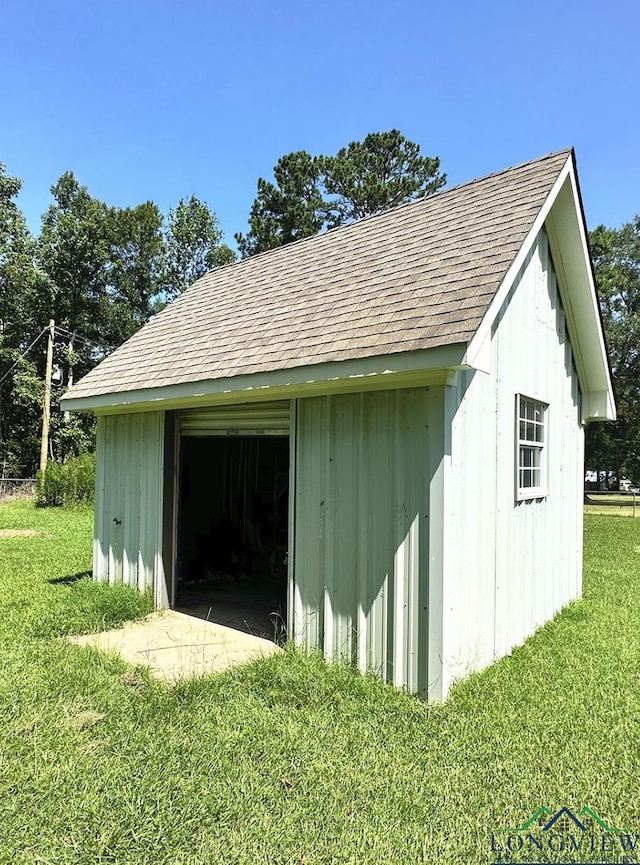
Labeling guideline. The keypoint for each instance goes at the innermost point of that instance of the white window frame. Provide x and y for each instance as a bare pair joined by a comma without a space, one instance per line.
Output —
532,442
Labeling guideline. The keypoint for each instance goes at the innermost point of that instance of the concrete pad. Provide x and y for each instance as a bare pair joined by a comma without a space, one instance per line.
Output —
175,646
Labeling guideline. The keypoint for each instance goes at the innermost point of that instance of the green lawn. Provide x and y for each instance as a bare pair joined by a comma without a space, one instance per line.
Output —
293,761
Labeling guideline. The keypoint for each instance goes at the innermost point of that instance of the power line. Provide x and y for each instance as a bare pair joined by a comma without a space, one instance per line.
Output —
75,336
24,353
63,332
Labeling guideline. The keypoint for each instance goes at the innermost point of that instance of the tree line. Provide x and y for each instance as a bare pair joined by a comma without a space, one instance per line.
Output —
613,449
101,272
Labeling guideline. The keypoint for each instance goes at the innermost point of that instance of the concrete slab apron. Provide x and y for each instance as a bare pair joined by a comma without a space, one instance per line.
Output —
176,646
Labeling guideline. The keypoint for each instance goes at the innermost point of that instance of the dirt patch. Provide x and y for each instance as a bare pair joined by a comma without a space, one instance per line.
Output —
18,533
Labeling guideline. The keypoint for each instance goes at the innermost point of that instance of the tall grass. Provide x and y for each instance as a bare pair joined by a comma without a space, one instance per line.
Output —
68,483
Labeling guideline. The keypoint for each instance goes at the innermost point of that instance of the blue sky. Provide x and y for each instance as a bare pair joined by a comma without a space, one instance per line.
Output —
159,100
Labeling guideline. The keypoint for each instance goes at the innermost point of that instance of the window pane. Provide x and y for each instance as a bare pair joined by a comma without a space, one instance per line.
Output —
531,421
531,416
529,468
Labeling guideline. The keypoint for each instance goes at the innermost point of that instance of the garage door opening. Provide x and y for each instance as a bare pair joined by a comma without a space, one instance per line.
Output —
232,532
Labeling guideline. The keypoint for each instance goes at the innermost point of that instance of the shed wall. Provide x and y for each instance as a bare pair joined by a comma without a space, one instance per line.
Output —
512,565
129,501
367,465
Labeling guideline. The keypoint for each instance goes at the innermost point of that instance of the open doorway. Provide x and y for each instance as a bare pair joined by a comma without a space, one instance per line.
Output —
232,532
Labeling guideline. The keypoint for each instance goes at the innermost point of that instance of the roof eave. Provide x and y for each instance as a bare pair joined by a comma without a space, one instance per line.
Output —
424,367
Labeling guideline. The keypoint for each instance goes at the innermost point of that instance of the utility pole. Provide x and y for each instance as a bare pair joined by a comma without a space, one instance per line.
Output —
46,412
70,375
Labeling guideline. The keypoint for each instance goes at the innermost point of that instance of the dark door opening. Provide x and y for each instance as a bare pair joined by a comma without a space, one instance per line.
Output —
232,530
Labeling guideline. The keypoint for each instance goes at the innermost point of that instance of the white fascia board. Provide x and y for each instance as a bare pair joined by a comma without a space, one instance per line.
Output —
598,405
570,249
404,369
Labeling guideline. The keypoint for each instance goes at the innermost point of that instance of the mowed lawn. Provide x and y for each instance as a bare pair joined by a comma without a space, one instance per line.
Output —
290,760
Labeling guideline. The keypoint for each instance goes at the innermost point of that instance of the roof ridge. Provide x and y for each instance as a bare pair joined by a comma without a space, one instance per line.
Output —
331,231
519,167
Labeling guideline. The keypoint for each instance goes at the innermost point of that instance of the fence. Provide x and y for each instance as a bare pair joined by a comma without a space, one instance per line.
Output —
625,502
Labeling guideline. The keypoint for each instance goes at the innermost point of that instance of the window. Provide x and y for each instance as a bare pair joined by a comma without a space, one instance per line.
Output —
531,420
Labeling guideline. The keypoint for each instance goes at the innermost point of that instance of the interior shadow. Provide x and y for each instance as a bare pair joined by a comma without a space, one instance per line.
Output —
232,532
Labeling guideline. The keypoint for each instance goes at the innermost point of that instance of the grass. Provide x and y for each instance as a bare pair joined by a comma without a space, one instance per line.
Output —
620,510
290,760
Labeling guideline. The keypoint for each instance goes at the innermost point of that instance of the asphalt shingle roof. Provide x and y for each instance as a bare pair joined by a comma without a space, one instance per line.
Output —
418,276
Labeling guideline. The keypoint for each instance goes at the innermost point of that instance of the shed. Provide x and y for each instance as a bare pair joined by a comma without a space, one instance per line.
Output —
374,435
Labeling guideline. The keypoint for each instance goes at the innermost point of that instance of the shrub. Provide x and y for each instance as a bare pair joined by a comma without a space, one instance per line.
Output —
68,483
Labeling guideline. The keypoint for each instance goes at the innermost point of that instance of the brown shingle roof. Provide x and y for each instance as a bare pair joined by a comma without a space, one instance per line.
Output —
418,276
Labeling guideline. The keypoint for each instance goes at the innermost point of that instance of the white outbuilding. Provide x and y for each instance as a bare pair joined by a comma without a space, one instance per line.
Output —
374,435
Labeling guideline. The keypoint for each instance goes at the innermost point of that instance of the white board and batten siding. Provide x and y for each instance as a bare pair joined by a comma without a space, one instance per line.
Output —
129,500
365,463
511,565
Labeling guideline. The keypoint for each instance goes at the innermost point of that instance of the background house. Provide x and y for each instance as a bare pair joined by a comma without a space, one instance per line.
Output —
377,431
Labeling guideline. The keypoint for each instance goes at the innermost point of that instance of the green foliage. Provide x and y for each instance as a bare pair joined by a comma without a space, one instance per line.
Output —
290,759
73,435
74,252
100,272
193,245
616,256
136,259
20,281
22,419
311,193
382,171
68,483
291,208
